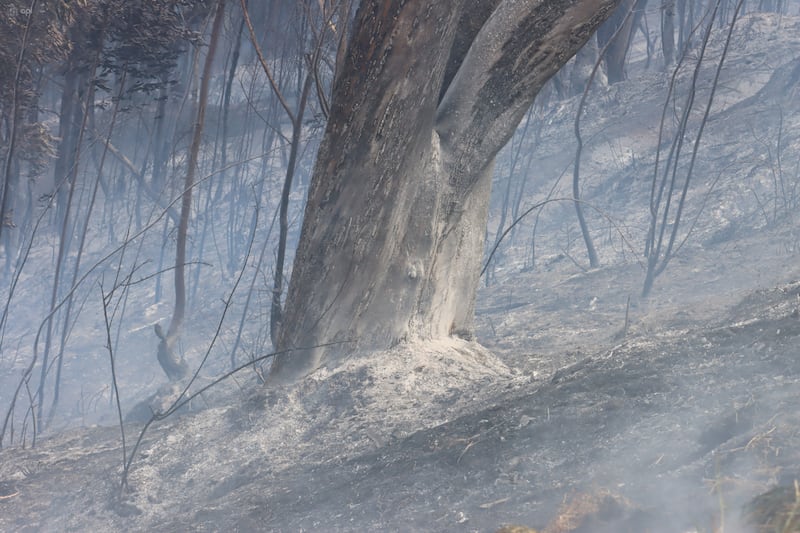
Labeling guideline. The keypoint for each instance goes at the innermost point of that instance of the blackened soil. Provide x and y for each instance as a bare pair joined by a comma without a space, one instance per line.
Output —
683,427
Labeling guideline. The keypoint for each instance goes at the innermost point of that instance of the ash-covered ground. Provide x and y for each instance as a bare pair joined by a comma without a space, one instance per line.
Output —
586,406
680,427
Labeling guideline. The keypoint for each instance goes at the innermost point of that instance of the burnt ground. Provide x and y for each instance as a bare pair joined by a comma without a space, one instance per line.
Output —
683,426
671,425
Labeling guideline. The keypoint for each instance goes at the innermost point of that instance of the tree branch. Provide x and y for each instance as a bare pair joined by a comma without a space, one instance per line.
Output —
263,62
521,45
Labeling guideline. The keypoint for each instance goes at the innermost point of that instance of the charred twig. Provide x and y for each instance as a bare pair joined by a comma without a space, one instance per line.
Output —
105,301
542,204
188,398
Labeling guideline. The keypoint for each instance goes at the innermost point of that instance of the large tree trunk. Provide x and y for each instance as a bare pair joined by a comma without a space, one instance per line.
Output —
392,238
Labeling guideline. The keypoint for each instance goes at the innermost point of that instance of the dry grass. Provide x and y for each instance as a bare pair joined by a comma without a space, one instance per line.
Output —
585,512
516,529
775,511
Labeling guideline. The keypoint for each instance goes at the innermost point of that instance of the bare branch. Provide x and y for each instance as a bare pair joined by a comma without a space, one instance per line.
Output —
263,62
521,45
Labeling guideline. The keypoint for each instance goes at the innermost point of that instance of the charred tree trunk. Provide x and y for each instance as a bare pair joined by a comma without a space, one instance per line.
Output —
668,32
161,146
226,105
11,165
175,367
615,36
67,128
682,27
277,286
65,205
392,239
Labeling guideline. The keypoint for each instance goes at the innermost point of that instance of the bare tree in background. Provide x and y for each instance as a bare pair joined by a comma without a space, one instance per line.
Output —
173,366
615,36
668,32
662,241
295,117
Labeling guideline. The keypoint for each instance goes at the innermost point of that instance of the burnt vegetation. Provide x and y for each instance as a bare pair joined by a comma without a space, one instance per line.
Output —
462,265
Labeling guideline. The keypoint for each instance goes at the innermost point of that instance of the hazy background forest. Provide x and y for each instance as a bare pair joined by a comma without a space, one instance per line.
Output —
682,115
99,107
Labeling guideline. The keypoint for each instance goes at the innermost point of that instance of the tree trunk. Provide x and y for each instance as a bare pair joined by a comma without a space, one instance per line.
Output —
584,62
66,194
277,285
67,127
174,367
11,166
226,105
161,146
296,119
393,233
615,35
668,32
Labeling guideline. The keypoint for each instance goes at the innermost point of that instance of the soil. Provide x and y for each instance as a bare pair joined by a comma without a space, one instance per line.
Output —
585,407
686,425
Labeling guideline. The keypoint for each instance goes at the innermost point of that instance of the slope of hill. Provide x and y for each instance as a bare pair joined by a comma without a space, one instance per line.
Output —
591,408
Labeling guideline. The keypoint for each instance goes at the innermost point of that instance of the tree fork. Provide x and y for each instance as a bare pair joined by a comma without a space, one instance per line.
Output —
392,239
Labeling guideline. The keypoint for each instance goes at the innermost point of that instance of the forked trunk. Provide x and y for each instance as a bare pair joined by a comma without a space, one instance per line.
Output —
392,239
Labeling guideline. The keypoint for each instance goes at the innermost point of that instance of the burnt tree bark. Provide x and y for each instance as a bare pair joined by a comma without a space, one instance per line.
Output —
392,239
